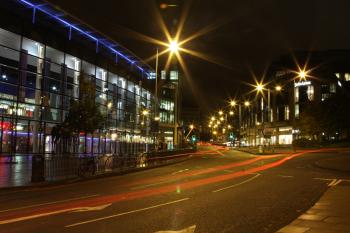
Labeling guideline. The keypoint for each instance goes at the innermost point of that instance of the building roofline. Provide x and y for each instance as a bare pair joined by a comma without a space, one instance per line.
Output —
88,31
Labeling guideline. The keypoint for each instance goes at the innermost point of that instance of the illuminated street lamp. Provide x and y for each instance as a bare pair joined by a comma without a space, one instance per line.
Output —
221,112
145,112
173,46
233,103
231,113
302,74
278,88
246,103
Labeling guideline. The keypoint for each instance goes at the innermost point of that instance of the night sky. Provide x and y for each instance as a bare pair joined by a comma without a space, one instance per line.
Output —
246,36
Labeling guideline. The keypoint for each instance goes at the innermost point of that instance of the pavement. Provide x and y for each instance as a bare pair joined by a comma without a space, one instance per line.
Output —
216,190
15,171
331,214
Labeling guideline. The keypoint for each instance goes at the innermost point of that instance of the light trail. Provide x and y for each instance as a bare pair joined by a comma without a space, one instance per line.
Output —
128,196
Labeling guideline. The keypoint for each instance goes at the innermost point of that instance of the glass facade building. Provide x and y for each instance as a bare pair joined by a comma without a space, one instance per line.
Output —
37,82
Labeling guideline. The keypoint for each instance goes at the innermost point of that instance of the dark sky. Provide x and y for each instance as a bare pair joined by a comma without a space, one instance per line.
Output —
249,34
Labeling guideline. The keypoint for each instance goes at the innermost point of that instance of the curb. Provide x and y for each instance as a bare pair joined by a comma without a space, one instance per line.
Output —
317,164
100,176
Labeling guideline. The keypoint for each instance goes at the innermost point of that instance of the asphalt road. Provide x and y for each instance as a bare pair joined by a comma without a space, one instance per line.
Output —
216,190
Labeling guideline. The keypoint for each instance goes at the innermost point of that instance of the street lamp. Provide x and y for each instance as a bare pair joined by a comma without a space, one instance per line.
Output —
233,103
173,46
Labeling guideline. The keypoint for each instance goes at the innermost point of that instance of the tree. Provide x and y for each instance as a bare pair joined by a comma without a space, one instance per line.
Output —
84,115
310,123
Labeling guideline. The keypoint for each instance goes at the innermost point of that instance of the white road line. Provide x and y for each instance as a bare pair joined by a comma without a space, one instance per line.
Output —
337,182
49,203
180,171
36,216
190,229
325,179
150,185
283,176
126,213
332,183
235,185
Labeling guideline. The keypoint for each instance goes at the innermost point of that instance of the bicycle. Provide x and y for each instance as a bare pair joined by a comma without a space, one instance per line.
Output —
87,167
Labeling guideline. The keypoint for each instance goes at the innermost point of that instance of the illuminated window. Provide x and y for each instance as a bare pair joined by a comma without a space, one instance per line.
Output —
347,77
174,75
296,111
10,39
332,88
286,113
310,92
163,74
296,94
338,75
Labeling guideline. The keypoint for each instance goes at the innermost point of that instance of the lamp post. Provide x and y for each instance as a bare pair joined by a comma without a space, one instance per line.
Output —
234,103
173,47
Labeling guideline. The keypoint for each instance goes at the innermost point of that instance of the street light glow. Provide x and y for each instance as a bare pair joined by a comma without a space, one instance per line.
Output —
221,112
173,46
278,88
109,105
145,112
233,103
246,103
231,113
191,126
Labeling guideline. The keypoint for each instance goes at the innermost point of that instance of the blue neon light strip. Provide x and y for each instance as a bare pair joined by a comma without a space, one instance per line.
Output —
71,26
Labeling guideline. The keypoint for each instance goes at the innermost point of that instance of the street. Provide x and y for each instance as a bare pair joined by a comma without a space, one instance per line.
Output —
215,190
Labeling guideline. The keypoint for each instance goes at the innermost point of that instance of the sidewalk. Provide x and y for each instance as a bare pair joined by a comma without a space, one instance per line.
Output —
17,173
267,150
331,214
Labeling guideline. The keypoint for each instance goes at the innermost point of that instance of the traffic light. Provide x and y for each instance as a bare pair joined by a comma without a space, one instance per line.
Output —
193,138
232,135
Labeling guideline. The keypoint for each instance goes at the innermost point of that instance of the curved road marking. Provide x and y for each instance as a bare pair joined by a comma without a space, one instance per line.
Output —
235,185
126,213
190,229
48,203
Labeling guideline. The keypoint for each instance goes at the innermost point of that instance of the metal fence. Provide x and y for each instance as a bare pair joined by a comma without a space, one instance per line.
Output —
63,167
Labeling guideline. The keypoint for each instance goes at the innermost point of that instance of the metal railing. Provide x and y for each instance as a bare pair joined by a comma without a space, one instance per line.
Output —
63,167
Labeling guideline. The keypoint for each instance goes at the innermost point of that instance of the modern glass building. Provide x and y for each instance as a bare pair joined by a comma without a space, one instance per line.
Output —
43,53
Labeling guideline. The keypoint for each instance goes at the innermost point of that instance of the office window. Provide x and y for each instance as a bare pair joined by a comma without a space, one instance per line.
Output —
163,74
286,113
296,111
152,75
332,88
72,62
9,39
173,75
88,68
33,48
296,94
54,55
310,92
347,77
